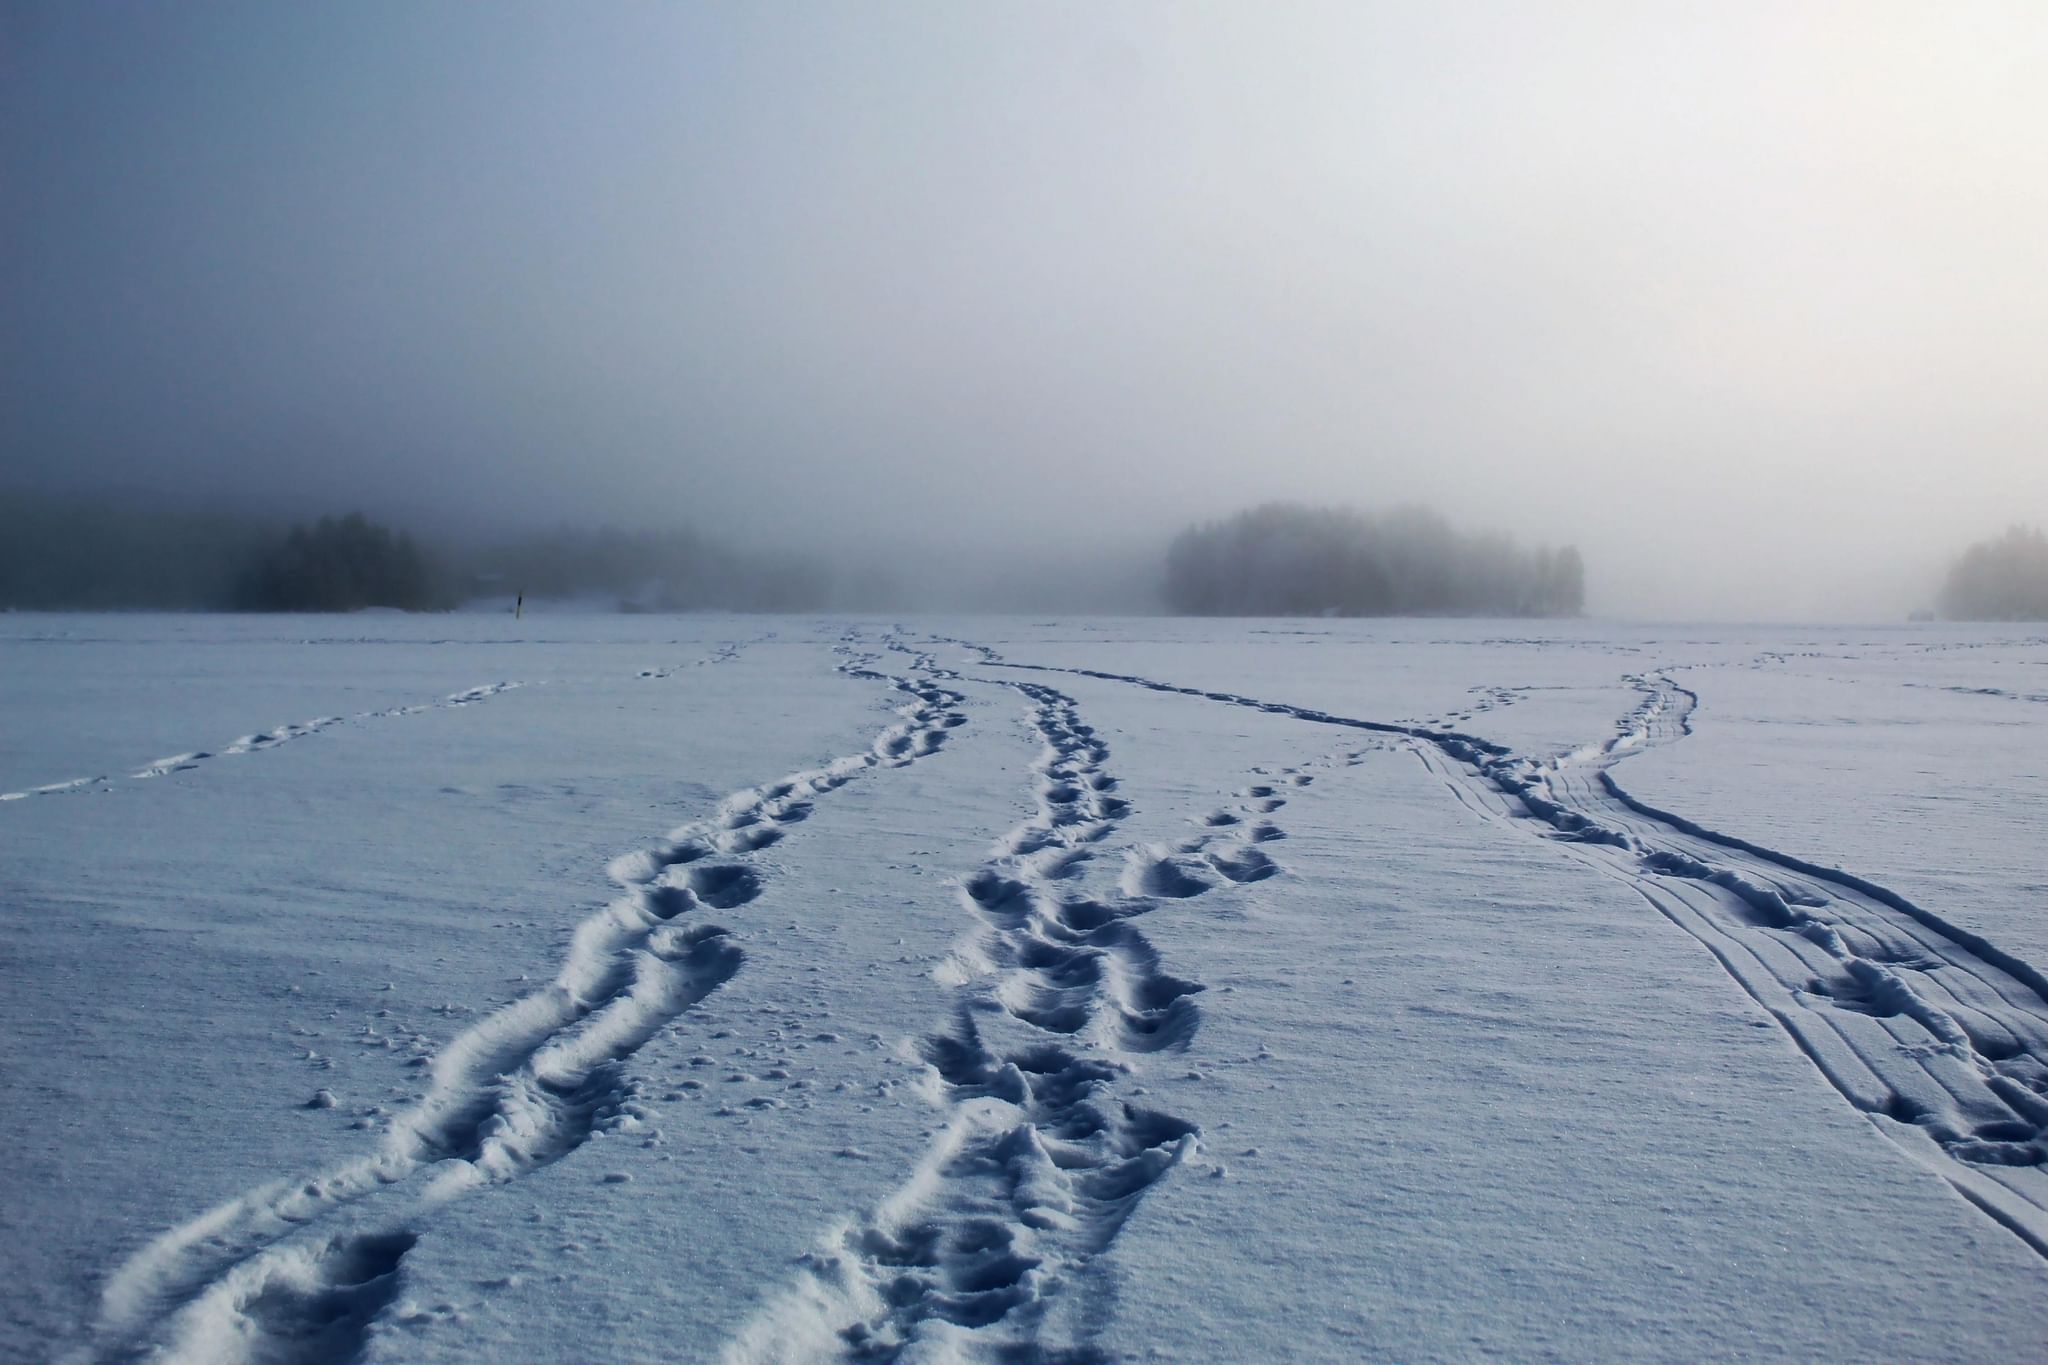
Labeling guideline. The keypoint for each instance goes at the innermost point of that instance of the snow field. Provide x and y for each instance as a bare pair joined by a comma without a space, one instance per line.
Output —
1127,989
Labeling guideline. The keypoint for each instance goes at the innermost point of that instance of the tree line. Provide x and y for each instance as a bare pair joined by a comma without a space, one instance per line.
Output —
2002,579
74,553
97,554
1286,559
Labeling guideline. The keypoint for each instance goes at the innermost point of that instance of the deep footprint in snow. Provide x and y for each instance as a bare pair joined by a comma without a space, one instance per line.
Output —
723,886
748,838
637,868
1242,864
1154,875
320,1312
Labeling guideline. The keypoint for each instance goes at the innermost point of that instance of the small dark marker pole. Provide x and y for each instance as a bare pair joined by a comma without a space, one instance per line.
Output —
519,607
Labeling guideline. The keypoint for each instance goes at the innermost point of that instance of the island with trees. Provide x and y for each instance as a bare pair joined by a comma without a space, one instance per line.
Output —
1287,559
2003,579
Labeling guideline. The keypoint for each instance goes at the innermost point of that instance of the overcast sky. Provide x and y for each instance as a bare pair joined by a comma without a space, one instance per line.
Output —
1750,301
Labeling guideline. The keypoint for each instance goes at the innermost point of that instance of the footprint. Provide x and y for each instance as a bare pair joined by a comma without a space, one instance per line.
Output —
323,1310
724,886
1157,876
1243,864
1002,896
750,837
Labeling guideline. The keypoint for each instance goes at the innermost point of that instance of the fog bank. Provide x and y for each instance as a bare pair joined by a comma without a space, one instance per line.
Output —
1744,300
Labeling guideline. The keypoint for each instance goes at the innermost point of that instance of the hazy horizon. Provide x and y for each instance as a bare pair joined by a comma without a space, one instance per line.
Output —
1744,300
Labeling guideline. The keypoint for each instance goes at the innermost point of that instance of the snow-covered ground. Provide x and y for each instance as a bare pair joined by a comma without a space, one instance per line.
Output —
598,987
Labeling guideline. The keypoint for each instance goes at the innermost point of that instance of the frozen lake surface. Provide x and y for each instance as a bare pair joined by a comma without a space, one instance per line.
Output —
754,989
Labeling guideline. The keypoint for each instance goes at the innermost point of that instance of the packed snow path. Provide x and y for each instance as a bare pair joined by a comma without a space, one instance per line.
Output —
1936,1035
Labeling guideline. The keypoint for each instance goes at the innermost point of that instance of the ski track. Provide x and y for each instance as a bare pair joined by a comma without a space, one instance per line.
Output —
725,653
1043,1155
299,1270
1998,692
284,734
1937,1036
266,739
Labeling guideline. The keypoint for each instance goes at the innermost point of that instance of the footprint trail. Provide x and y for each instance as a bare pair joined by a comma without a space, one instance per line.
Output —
1936,1035
1044,1154
262,740
266,739
299,1269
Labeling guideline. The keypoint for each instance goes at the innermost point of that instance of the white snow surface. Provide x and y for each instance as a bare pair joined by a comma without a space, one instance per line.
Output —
602,987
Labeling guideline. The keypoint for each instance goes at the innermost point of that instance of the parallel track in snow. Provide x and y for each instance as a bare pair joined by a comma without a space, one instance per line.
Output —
298,1270
260,741
1936,1035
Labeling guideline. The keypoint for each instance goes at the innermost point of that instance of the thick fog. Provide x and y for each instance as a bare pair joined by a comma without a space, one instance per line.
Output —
1749,302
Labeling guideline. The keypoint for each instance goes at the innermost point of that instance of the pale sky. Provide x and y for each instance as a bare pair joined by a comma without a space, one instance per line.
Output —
1749,301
